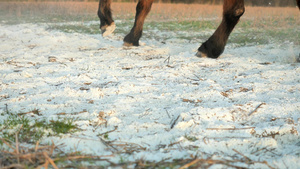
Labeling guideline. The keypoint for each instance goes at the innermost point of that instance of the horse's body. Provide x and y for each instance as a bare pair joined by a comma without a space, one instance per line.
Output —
213,47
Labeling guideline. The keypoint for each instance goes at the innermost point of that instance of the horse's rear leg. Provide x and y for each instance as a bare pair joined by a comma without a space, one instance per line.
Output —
142,9
107,24
214,46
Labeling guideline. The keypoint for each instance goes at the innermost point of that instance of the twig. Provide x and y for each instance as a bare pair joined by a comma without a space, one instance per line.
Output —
249,161
36,146
116,127
50,160
190,164
172,144
255,110
228,137
6,108
13,166
108,145
246,128
41,147
46,164
168,59
206,163
30,155
83,157
5,142
127,144
198,78
8,152
264,148
174,122
52,147
17,144
266,163
168,114
245,157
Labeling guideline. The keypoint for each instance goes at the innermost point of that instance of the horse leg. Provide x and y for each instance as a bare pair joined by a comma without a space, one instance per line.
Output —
214,46
298,3
142,9
107,24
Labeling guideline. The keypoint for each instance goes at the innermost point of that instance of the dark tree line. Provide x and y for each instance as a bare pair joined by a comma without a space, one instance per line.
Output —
277,3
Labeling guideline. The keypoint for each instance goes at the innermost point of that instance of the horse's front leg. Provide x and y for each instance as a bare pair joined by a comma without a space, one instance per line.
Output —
214,46
142,9
107,24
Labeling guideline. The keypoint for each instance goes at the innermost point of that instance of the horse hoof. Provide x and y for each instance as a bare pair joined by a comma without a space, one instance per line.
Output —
201,54
126,44
107,30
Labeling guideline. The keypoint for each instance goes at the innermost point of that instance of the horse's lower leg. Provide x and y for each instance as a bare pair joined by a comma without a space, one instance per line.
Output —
214,46
142,9
107,25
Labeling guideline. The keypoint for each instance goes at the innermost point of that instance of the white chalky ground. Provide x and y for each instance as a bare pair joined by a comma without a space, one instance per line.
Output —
163,102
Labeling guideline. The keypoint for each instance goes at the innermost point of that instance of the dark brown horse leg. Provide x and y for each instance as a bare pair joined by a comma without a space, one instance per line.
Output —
142,9
298,3
214,46
107,24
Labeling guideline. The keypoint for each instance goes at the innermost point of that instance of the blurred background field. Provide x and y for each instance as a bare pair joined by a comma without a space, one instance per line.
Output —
195,22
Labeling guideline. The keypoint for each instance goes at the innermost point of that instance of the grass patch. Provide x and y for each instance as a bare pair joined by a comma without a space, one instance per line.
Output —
22,125
251,36
191,138
183,25
245,33
62,126
30,130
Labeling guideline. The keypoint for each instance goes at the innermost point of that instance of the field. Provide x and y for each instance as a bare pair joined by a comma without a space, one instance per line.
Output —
70,98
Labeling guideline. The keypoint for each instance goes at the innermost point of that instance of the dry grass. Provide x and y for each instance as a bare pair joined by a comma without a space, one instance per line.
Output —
34,8
19,12
41,156
37,156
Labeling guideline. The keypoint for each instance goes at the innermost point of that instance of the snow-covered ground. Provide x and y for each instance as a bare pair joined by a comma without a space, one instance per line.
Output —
157,101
